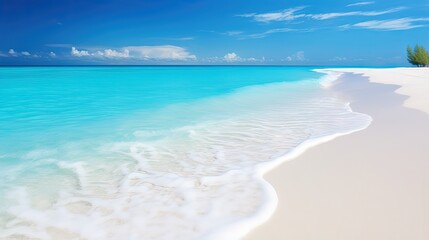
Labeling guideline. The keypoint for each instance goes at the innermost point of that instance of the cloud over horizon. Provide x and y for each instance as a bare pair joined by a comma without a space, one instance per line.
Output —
296,57
185,33
231,57
13,53
79,53
163,52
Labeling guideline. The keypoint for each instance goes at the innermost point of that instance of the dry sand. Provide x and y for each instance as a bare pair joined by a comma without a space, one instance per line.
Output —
369,185
413,82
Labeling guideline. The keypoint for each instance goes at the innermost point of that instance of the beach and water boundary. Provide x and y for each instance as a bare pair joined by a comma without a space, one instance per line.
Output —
367,185
263,214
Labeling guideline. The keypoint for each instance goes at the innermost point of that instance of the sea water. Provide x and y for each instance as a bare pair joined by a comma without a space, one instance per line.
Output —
153,152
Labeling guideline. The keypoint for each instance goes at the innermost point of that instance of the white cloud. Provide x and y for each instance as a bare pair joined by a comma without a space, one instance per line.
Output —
297,57
284,15
360,4
242,35
109,53
231,57
79,53
290,14
275,30
232,33
12,52
185,38
389,25
325,16
52,54
165,52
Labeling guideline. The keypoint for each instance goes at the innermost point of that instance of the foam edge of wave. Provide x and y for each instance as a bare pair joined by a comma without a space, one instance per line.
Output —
242,228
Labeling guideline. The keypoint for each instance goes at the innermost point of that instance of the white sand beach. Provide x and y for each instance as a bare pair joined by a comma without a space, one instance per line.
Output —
371,184
413,82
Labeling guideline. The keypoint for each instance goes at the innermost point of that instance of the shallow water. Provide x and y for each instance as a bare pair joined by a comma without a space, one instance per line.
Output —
151,152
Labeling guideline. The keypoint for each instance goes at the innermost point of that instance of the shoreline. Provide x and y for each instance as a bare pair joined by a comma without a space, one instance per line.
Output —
408,80
241,228
294,202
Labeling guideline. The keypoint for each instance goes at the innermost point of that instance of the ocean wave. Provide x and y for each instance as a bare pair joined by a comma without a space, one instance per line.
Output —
187,171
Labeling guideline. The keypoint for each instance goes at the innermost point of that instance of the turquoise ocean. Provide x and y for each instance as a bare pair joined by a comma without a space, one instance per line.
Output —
163,152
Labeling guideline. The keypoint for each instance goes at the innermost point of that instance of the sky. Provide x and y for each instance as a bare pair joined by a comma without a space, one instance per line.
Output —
218,32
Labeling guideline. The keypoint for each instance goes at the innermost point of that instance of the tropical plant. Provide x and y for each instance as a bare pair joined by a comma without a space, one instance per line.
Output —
418,57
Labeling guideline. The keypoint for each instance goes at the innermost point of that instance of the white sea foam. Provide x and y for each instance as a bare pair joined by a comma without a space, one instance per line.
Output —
328,80
202,180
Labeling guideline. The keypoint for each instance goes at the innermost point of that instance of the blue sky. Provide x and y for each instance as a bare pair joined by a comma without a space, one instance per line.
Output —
305,32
